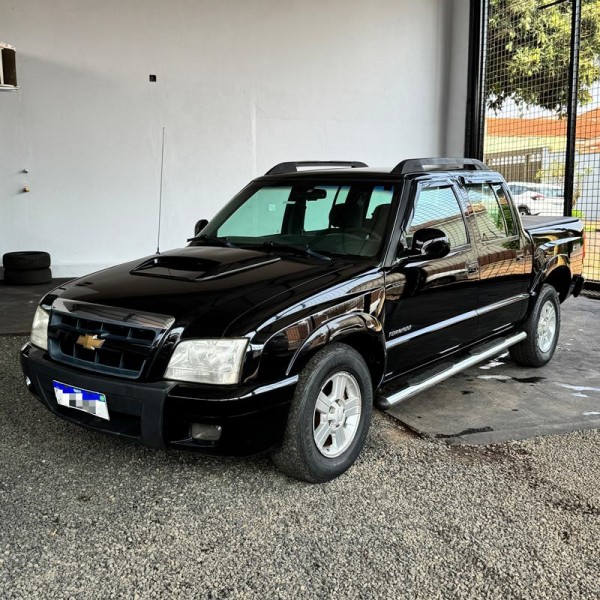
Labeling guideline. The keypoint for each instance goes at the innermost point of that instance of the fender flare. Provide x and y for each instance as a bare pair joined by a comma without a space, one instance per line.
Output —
338,329
552,264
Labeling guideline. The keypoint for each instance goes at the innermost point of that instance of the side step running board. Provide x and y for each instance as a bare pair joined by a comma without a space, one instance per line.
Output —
486,352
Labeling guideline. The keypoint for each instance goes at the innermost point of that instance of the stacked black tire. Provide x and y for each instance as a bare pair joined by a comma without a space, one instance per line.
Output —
26,268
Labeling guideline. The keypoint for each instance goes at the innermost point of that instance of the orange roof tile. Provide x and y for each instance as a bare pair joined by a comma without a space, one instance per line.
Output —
588,126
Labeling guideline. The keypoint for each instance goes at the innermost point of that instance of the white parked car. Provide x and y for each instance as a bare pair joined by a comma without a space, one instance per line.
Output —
538,198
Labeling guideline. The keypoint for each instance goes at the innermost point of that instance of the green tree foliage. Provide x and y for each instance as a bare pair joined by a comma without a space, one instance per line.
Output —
529,53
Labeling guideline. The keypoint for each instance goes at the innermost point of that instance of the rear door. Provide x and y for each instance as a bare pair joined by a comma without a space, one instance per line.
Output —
430,307
502,253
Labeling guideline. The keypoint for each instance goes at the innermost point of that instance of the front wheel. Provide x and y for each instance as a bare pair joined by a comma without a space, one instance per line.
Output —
542,328
329,417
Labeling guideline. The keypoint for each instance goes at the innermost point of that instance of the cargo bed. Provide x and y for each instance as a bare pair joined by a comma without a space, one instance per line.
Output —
537,222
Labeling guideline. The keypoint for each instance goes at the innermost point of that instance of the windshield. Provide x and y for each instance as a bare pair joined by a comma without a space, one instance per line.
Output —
338,219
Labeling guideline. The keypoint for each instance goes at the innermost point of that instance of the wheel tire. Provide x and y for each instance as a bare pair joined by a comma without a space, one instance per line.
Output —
299,456
542,328
27,277
26,261
524,211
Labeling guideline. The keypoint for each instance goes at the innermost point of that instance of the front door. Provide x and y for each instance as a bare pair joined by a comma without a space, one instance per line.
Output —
431,302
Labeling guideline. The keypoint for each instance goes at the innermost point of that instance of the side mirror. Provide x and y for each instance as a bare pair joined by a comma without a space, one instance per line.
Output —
200,225
430,242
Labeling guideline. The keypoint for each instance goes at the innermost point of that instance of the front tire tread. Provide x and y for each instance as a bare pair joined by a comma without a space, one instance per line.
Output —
298,456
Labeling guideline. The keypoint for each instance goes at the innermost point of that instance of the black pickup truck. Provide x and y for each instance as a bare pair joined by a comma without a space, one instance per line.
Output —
319,290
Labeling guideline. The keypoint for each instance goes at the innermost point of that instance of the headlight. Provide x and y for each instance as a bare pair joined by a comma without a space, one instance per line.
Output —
207,361
39,329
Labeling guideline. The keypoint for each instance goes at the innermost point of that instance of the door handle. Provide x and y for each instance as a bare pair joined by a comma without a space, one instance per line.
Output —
472,267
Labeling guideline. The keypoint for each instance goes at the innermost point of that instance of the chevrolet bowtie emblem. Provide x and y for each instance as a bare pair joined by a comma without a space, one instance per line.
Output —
90,342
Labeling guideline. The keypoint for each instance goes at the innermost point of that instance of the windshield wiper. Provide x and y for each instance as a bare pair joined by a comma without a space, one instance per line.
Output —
303,250
212,239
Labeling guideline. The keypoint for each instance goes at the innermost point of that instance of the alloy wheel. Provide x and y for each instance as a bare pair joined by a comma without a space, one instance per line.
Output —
546,329
337,414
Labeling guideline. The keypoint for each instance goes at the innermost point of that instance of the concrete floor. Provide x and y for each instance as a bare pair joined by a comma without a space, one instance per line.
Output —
499,401
18,303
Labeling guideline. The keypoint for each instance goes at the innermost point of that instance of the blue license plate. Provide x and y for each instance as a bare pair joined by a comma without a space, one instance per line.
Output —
93,403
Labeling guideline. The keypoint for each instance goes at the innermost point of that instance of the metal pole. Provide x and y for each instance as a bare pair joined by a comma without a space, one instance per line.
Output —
572,107
475,120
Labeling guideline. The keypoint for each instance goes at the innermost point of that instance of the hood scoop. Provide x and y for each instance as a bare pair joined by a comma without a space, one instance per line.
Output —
192,268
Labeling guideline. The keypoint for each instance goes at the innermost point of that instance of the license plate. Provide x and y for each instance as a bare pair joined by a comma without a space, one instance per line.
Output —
93,403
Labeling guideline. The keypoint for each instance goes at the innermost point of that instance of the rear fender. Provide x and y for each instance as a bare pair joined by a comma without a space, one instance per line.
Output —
555,270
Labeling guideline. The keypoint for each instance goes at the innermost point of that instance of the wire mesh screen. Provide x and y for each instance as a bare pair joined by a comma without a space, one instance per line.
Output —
587,143
526,86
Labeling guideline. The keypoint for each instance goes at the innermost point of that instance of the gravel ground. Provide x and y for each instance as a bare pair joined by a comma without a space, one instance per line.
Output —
86,516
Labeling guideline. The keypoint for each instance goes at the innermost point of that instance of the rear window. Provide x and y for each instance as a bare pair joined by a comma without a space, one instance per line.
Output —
505,207
493,214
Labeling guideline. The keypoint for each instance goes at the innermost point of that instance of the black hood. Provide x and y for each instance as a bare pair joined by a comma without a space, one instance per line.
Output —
207,287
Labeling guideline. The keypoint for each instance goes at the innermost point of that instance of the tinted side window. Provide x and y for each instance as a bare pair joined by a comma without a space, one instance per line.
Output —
488,214
509,219
439,208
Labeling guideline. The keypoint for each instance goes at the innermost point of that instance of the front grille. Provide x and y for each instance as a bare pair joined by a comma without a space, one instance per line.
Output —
127,338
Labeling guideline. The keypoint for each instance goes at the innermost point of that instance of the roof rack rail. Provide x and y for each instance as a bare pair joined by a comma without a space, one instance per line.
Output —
292,167
421,165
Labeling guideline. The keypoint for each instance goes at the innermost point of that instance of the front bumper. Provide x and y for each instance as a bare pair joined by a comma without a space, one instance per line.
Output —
159,414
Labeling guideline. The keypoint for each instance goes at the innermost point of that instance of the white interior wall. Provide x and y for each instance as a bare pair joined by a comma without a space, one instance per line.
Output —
241,85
